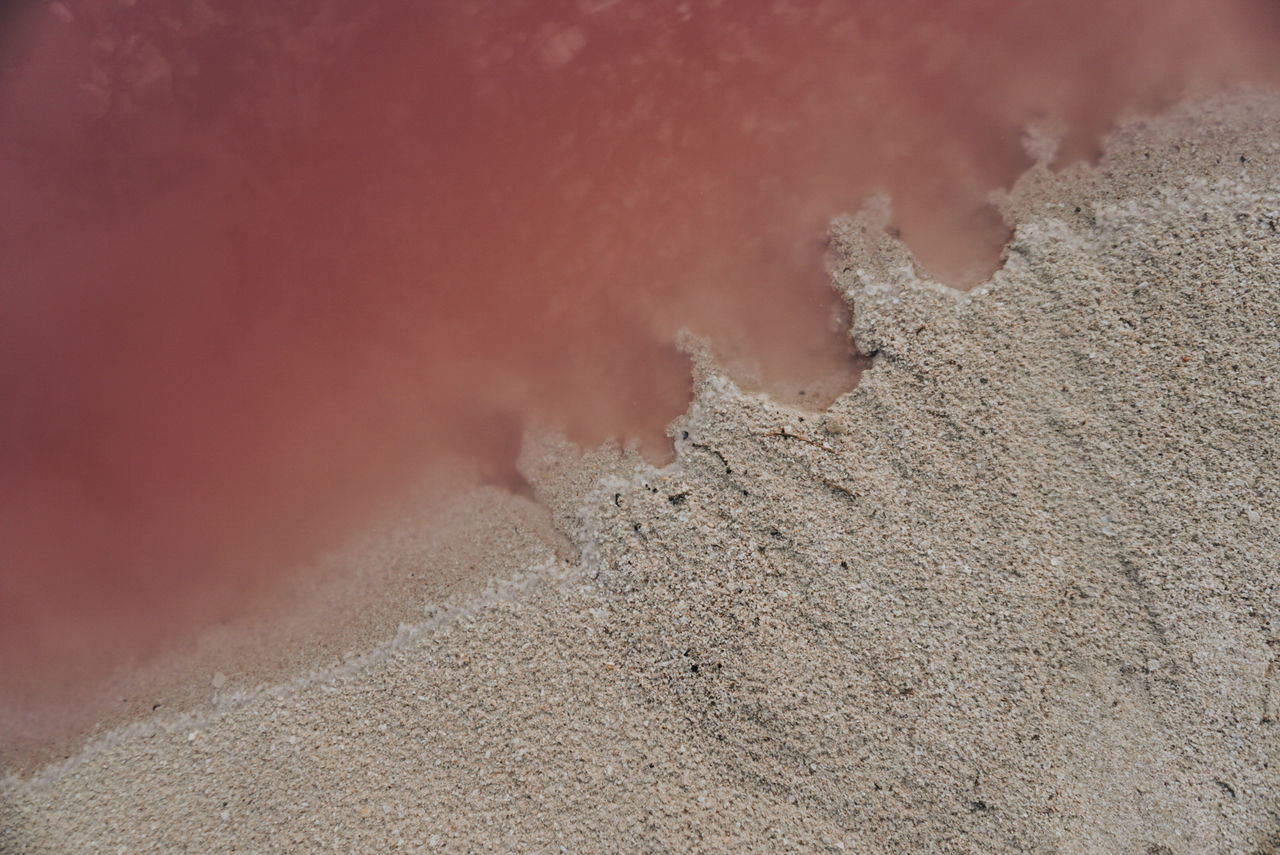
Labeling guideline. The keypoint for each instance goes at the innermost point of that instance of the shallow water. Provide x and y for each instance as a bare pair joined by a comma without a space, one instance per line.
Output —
265,266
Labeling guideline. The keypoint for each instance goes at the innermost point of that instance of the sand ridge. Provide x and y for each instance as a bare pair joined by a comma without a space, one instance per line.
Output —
1017,592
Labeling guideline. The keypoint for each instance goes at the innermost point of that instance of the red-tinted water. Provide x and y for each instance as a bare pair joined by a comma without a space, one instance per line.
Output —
263,264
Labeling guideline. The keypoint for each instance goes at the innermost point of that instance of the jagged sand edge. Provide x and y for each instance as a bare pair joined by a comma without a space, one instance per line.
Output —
1016,592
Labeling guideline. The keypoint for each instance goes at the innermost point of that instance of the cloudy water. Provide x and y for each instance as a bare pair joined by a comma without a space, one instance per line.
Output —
264,265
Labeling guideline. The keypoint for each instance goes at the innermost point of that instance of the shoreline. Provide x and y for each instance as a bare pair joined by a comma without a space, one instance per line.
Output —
989,597
347,603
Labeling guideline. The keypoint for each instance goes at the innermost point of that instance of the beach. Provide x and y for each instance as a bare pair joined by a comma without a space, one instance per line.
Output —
1018,591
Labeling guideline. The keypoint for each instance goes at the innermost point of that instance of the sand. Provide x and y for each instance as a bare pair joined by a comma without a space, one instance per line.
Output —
1017,592
445,540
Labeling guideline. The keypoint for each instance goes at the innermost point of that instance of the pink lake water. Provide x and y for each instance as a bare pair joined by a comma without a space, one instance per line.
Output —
266,265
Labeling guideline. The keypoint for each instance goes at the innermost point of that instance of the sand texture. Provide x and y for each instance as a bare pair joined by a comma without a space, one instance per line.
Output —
1017,592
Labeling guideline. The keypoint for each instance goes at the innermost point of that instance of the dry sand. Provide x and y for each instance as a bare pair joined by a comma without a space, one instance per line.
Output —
1017,592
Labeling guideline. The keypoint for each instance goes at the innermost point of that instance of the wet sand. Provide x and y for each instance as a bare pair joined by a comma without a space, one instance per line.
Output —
1016,592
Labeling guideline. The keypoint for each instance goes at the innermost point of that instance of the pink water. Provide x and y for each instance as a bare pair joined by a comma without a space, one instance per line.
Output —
263,265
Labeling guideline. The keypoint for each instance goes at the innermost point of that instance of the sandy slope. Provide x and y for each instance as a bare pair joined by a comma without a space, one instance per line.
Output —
1015,593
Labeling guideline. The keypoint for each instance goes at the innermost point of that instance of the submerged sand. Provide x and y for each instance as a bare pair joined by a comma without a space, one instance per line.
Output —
1017,592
